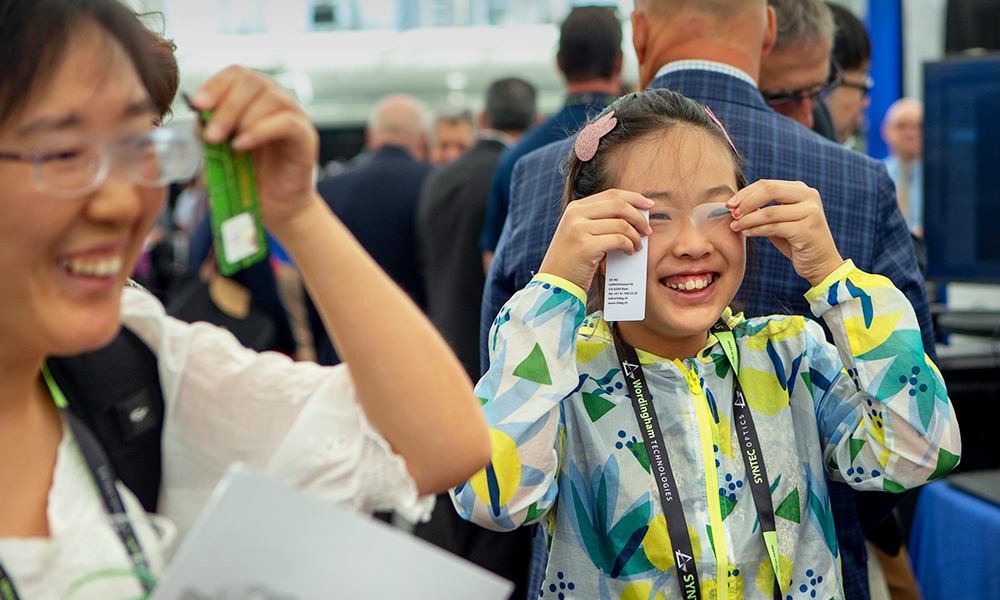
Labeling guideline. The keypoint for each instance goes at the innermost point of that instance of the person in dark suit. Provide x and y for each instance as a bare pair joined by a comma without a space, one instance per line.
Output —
378,200
590,57
449,220
711,52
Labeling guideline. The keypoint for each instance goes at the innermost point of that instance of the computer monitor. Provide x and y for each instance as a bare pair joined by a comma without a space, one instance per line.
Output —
962,169
972,24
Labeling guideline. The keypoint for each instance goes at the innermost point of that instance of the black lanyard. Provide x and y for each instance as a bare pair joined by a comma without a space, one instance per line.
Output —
753,460
105,479
753,454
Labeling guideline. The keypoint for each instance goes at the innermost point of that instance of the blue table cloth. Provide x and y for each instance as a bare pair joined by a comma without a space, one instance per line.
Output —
955,545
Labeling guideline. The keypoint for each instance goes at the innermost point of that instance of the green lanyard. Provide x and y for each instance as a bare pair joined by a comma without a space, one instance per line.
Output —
753,455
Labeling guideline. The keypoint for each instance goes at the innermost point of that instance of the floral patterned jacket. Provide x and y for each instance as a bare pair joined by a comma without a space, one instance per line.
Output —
872,411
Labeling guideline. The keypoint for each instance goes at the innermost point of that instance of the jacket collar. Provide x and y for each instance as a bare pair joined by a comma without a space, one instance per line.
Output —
711,87
595,328
392,151
485,143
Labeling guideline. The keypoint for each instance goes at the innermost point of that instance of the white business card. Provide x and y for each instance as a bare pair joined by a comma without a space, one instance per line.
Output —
625,284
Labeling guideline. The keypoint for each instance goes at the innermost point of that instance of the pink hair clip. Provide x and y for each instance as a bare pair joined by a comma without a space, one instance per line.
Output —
724,132
588,139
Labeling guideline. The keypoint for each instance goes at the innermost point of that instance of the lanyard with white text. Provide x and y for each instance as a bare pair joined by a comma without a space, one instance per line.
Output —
753,454
752,459
673,512
105,479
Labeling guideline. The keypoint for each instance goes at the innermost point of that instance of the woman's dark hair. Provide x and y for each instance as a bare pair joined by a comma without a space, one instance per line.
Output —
851,47
640,115
35,33
163,87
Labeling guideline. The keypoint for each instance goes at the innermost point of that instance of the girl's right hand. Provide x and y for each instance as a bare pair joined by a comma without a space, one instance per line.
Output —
590,228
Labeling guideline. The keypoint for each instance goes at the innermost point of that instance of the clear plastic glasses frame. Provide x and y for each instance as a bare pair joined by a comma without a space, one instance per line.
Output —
711,220
72,165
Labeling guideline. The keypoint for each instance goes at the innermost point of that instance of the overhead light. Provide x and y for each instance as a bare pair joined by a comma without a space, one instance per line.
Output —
456,81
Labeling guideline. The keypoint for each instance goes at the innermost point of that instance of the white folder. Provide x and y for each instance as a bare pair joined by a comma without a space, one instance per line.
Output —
258,539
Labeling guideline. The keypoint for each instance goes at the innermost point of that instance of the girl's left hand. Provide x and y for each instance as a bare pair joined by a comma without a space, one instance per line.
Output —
796,225
265,119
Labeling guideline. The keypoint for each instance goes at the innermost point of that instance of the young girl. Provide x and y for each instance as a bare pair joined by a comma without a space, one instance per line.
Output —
656,472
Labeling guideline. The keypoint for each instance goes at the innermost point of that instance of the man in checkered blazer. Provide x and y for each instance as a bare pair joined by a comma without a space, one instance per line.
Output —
711,52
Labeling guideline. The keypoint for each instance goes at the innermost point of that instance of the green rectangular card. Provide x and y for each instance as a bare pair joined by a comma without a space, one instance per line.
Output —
240,237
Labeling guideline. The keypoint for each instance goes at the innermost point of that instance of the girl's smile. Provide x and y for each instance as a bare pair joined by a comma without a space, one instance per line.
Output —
696,260
690,286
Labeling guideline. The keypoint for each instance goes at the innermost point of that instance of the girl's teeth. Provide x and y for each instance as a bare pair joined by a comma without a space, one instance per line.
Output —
693,284
92,268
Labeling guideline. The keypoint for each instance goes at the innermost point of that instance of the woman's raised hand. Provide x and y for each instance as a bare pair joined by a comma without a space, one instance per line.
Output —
592,227
796,225
265,119
437,427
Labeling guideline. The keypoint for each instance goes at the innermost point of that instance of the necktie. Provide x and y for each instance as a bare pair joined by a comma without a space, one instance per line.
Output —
902,192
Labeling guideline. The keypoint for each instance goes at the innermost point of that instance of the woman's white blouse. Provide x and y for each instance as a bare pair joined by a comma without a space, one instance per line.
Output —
298,423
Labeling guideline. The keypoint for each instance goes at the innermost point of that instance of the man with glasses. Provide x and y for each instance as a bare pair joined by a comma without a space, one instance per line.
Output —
798,74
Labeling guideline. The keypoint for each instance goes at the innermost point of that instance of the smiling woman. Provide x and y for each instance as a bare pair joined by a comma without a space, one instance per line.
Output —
83,169
75,209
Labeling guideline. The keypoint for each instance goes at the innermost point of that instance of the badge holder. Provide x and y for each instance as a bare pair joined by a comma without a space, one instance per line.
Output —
239,234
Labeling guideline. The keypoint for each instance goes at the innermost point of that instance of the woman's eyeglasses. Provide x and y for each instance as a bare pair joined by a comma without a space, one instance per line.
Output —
814,92
73,165
865,87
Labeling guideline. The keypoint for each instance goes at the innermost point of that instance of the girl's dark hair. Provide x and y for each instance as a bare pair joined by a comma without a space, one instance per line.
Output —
639,115
35,33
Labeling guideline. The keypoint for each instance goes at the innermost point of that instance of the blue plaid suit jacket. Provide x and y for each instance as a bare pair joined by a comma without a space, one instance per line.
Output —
860,203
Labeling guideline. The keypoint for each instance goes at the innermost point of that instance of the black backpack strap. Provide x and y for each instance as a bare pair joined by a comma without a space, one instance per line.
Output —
116,392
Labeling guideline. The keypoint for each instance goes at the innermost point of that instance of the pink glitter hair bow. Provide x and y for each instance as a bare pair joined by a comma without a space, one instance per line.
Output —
716,120
589,138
